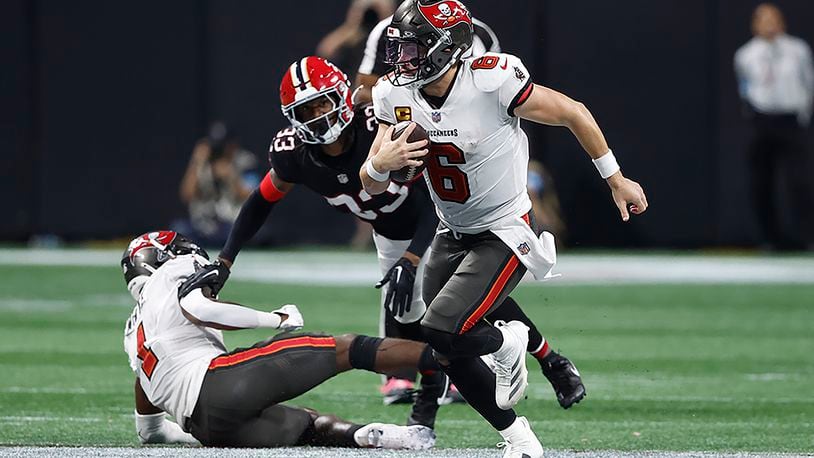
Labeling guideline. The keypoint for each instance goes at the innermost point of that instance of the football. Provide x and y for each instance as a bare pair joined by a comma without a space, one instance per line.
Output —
409,173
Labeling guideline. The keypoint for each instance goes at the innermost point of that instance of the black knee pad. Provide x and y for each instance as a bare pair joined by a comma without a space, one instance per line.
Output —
440,341
362,353
442,360
480,340
427,362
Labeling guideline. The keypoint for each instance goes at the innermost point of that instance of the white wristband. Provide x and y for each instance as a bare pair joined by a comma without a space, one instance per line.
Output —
606,164
375,174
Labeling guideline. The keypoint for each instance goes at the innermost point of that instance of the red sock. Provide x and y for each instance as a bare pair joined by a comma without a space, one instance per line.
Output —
542,351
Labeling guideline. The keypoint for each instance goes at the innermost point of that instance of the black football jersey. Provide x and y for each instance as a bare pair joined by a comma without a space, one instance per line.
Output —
394,213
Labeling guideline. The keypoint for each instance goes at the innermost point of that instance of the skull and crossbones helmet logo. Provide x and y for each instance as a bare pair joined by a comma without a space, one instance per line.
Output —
447,14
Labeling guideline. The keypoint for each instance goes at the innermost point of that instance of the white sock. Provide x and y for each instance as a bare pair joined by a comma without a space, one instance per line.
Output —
515,430
503,347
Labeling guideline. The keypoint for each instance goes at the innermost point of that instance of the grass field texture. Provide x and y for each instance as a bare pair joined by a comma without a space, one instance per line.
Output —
667,367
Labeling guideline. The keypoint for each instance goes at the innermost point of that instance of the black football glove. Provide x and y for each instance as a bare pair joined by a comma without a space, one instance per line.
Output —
211,276
399,280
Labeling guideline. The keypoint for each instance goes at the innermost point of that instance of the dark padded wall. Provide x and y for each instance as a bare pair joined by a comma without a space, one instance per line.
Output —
117,104
646,85
105,101
17,158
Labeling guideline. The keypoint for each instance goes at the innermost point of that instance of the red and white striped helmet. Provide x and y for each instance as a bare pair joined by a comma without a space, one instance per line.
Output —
309,79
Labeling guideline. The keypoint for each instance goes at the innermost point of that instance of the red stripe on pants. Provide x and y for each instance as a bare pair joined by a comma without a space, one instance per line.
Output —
493,294
274,347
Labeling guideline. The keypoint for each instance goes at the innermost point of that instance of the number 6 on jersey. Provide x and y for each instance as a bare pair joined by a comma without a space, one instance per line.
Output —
449,182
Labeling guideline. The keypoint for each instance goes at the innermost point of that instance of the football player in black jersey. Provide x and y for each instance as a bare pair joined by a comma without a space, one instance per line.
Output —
323,149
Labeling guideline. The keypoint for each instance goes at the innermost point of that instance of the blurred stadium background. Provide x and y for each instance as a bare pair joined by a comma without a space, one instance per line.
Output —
696,339
106,101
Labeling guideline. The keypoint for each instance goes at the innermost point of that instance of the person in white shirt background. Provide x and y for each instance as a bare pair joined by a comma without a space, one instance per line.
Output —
776,81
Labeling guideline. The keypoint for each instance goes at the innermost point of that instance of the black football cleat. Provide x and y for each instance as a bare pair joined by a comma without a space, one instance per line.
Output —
397,391
425,406
564,378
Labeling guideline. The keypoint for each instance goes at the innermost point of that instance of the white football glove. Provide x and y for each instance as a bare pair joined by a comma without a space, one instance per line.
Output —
155,429
294,320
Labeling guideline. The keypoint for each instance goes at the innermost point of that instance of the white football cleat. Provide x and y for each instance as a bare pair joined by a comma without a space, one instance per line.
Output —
395,437
510,364
520,441
489,361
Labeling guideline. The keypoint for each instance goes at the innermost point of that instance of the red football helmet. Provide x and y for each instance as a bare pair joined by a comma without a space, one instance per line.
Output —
316,98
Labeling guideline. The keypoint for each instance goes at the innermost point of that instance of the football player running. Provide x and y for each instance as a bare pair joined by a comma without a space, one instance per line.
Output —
233,399
477,169
329,139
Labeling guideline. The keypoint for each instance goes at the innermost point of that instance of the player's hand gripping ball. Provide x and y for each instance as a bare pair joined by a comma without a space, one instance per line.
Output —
409,173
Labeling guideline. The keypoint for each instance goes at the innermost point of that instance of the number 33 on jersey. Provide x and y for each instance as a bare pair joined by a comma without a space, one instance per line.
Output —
393,213
479,153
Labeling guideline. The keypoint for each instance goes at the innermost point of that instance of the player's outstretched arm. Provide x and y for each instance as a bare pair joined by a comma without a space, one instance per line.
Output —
387,155
253,214
151,425
547,106
228,316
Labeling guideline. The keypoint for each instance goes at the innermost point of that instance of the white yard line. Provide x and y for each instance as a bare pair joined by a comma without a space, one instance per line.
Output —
353,268
348,453
47,390
31,419
23,305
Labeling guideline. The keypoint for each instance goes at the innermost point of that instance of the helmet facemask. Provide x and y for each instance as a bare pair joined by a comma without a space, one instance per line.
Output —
415,65
324,128
148,252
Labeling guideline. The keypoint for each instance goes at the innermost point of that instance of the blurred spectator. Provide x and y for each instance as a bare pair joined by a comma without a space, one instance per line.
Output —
776,81
545,202
219,177
345,45
372,67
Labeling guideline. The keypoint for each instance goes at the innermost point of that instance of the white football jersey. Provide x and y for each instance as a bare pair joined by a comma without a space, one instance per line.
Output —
479,155
169,354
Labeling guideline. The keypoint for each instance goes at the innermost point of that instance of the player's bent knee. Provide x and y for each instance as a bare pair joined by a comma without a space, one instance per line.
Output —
440,341
362,352
455,346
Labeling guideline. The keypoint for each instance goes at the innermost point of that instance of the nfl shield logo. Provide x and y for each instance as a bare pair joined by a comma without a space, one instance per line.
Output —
523,248
436,116
342,178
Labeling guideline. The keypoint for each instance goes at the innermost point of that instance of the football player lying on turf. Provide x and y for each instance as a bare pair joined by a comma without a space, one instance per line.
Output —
233,399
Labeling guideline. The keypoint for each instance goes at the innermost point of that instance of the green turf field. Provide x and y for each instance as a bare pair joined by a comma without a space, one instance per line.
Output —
686,367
